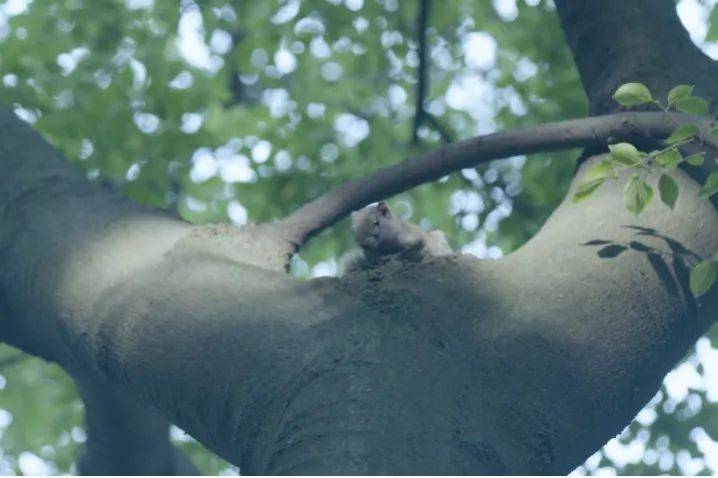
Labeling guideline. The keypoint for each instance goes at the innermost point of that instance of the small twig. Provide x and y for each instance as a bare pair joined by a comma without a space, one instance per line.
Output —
235,84
421,116
422,84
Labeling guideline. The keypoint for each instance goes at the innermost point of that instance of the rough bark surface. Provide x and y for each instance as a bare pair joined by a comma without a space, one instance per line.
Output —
522,365
615,42
125,435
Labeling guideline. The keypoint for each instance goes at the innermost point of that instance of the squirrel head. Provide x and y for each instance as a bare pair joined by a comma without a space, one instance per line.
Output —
371,224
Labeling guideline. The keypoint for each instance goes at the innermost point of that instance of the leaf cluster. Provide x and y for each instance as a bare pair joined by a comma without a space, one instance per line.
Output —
637,192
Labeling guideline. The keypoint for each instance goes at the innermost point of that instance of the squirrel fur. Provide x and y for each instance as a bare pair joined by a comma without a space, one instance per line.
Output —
381,235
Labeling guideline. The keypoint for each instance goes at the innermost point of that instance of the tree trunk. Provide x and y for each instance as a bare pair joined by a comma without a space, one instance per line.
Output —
522,365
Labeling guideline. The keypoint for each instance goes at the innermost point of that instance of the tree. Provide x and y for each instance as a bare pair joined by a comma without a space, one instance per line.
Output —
523,365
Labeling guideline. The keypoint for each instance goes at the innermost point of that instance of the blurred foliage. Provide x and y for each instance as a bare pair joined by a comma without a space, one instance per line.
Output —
240,111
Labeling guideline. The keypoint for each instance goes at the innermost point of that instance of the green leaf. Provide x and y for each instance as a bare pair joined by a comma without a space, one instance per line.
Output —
632,94
711,186
682,133
625,154
679,92
693,105
695,159
703,276
604,169
637,194
712,34
668,190
586,188
669,159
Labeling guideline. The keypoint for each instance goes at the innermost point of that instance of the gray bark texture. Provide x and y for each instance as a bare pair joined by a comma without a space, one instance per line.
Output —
524,365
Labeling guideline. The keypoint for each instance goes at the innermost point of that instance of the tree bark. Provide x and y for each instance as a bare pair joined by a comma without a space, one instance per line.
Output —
615,42
125,436
524,365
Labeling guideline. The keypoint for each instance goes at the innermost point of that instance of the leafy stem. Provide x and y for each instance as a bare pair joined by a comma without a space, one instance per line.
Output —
637,193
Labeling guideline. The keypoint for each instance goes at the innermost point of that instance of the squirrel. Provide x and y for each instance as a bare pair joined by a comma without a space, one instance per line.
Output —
382,235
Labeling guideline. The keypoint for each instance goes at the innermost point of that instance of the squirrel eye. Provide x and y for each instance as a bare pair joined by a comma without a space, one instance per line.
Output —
376,222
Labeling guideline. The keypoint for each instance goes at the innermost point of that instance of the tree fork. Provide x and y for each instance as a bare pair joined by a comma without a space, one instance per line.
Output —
240,356
257,366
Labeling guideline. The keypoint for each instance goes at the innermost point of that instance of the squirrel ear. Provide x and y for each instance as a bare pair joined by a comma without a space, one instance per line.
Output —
383,209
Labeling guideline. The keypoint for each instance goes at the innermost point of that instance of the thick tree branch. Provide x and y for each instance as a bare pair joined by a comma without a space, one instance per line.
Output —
315,216
395,371
125,436
616,41
398,370
37,175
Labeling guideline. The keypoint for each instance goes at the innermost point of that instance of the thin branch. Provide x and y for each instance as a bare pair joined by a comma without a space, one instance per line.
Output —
236,87
595,131
422,84
421,116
